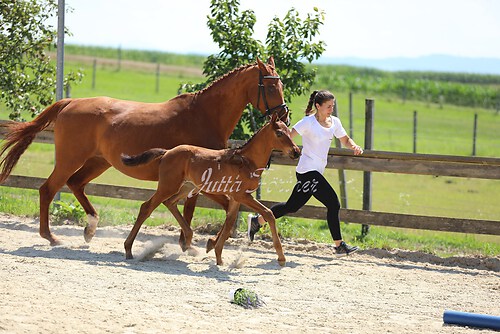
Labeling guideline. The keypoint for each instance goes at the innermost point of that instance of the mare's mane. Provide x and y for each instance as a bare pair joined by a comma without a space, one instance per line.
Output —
216,81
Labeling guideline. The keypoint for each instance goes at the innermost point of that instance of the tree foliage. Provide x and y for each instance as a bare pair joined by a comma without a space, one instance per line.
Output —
27,76
291,41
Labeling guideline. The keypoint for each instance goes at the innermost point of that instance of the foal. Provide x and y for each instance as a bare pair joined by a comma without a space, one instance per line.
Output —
232,172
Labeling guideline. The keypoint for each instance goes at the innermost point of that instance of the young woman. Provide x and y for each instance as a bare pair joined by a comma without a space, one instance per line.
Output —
317,129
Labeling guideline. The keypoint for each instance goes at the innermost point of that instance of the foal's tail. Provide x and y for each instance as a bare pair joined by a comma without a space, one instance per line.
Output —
143,158
21,134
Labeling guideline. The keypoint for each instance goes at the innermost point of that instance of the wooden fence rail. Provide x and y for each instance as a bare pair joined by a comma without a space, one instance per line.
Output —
376,161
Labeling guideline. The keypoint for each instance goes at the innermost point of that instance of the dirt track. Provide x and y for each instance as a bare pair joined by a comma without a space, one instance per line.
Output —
91,288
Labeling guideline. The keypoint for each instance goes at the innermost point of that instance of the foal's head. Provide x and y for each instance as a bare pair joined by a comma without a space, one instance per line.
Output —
281,140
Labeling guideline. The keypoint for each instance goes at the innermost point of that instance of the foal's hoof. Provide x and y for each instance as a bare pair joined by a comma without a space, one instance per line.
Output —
51,238
192,251
88,234
210,244
129,257
55,242
282,263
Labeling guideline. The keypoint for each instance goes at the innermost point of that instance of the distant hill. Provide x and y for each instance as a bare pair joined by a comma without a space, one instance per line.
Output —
434,63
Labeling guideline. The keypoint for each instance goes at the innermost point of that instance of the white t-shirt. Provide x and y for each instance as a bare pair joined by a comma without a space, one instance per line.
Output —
316,141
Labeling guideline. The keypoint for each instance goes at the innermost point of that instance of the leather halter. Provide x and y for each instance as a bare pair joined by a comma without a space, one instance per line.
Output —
262,90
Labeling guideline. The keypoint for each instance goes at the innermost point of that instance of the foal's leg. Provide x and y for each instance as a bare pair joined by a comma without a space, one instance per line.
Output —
267,214
230,220
186,231
188,212
145,211
190,204
77,182
186,235
169,184
232,213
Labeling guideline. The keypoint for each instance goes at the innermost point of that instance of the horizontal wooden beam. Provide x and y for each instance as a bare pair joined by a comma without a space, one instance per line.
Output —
416,156
416,167
473,226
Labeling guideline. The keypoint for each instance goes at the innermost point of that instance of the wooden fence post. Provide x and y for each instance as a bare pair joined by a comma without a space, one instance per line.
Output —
367,176
157,77
350,116
94,66
342,183
119,58
414,131
474,135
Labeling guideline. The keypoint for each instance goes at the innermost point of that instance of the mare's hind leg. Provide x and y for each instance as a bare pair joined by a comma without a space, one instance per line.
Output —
47,191
77,182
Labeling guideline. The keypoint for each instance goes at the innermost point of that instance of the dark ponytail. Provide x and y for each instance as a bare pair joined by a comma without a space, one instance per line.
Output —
309,110
318,96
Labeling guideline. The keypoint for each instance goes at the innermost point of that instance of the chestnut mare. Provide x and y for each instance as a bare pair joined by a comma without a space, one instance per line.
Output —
91,133
231,172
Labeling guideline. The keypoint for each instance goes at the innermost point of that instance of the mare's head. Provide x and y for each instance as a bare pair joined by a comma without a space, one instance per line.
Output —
269,98
280,139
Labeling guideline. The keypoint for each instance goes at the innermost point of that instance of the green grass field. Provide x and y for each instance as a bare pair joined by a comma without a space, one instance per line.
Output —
446,130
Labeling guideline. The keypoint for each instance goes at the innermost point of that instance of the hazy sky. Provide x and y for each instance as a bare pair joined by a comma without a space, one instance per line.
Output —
353,28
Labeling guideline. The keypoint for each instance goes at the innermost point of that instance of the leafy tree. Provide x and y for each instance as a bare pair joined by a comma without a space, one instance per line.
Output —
27,76
290,41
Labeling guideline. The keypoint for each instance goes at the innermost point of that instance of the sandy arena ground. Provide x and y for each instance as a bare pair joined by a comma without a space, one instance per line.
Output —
91,288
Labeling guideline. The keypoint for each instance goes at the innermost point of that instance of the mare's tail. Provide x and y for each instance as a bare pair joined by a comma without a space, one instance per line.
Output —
21,134
143,158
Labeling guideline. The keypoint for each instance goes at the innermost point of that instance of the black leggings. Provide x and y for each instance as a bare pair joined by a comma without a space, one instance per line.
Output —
313,184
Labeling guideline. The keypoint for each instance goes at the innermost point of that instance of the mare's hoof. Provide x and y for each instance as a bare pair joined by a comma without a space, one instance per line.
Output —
88,234
282,262
129,257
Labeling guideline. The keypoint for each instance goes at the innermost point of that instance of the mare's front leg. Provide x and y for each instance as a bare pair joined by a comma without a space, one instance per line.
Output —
231,215
268,216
